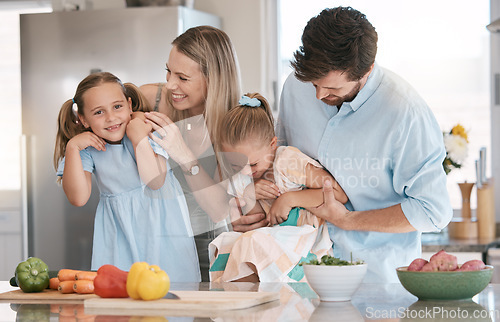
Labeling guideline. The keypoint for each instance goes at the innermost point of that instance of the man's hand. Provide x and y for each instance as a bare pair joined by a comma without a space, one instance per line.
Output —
331,209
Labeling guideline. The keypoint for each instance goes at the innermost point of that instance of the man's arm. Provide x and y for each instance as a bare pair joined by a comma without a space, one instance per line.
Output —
386,220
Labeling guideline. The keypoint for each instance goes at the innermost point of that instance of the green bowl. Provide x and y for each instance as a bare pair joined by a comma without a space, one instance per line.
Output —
445,285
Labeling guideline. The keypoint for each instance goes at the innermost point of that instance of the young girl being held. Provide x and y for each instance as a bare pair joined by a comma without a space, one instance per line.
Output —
142,214
269,254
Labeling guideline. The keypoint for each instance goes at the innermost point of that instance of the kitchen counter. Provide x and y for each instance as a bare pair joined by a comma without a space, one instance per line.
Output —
435,242
297,303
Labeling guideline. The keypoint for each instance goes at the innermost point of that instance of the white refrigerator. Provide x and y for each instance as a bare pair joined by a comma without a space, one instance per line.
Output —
57,51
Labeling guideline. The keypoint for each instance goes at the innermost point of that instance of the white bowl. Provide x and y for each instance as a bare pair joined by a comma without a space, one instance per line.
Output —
336,311
335,283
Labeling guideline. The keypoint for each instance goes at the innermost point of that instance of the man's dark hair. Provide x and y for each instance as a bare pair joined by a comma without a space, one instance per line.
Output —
338,39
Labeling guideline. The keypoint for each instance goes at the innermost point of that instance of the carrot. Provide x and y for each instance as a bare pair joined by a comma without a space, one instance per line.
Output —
66,287
67,274
55,308
67,318
79,310
67,310
85,275
83,287
89,318
54,283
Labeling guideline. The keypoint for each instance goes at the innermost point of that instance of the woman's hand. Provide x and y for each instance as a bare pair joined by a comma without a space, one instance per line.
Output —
84,140
265,189
171,138
279,210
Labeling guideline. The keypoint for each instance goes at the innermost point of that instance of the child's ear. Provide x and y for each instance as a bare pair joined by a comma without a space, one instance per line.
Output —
274,143
82,120
129,100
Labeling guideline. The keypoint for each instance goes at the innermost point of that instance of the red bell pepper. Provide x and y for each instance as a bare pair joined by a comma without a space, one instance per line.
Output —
110,282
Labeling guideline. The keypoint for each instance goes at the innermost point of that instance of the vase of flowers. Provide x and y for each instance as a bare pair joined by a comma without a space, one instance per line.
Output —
455,142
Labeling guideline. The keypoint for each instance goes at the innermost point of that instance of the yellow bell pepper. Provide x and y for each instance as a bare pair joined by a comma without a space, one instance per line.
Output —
147,282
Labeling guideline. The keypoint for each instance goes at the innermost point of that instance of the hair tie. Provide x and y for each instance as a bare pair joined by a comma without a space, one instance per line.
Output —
74,108
251,102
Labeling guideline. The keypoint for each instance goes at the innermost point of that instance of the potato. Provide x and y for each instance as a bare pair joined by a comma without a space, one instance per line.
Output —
444,261
417,264
472,265
430,267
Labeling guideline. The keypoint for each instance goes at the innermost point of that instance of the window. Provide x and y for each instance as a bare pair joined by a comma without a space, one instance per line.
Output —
10,89
440,47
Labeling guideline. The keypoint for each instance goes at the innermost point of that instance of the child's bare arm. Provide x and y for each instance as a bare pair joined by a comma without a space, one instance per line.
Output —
257,209
77,183
315,177
302,198
151,166
252,206
311,197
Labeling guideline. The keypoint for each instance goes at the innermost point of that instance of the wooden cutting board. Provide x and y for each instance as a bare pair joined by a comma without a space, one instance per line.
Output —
47,296
209,301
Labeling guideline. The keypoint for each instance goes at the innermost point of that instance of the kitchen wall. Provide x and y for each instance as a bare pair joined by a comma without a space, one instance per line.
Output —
251,25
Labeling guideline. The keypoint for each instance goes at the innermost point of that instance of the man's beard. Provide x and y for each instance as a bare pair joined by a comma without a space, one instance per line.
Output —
338,101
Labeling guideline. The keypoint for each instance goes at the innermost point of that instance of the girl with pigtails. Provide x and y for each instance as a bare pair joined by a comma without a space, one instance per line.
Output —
278,181
142,214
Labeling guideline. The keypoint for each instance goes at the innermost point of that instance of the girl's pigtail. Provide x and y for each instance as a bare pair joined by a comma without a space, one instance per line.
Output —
264,104
139,101
68,126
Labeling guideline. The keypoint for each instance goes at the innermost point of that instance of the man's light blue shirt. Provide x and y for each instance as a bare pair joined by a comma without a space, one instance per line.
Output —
384,148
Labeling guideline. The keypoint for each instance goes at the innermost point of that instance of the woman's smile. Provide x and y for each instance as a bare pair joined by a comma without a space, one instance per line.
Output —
178,97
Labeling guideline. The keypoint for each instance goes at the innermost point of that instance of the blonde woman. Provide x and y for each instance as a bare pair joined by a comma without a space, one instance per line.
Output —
203,83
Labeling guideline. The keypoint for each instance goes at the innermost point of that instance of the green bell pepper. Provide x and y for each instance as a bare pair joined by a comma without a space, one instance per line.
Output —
32,275
33,313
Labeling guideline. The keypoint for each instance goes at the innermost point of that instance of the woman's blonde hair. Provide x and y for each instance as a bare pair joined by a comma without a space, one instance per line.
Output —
212,49
68,123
